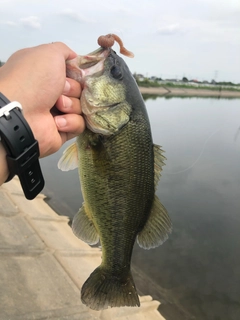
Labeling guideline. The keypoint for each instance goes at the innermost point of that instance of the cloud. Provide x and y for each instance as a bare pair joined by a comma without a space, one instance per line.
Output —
73,15
9,23
31,21
169,29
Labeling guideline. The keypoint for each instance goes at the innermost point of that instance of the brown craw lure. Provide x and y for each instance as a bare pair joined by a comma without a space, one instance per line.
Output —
109,40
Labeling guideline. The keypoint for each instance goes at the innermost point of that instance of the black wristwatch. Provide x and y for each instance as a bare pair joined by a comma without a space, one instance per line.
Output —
22,148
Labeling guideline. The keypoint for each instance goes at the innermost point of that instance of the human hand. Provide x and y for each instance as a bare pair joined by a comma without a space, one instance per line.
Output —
36,77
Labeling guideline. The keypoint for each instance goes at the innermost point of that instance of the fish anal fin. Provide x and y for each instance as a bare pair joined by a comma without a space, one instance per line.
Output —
103,290
158,163
157,227
69,159
84,228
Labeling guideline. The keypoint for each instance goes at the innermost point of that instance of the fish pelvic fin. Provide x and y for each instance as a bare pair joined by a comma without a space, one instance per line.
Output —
84,228
157,227
158,163
102,290
69,159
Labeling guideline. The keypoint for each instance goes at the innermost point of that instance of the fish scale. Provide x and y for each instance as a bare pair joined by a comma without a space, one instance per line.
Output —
119,204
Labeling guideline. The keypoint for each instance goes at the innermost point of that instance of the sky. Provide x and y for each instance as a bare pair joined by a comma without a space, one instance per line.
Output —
197,39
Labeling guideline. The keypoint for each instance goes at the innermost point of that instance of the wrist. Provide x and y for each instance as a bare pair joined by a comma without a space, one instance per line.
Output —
21,148
12,90
4,172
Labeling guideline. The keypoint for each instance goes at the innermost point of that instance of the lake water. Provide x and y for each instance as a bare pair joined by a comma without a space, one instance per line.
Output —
196,273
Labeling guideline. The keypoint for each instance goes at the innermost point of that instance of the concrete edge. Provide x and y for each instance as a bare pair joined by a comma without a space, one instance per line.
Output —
64,244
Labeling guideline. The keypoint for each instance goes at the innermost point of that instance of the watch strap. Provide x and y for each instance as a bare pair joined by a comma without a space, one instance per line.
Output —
22,148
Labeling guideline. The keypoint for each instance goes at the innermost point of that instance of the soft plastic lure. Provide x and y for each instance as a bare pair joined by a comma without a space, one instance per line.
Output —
109,40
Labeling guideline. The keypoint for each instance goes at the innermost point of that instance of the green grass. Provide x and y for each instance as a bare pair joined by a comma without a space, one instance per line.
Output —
148,84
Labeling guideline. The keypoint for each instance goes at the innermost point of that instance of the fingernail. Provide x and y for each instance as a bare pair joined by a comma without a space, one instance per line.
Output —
67,102
61,122
67,87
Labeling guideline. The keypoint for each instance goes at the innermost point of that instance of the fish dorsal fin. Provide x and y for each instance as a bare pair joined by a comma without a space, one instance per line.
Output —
157,227
69,159
158,163
84,228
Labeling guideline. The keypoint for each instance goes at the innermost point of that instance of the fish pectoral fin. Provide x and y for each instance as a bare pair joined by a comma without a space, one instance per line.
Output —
69,159
157,227
84,228
158,163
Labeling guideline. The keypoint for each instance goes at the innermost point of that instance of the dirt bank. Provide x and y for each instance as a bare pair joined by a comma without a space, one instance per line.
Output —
162,91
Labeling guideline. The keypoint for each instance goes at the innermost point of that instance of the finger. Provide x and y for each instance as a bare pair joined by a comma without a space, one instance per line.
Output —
67,52
70,123
68,105
72,88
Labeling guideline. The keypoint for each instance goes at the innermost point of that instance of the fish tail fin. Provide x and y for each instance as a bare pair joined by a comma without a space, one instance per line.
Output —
102,290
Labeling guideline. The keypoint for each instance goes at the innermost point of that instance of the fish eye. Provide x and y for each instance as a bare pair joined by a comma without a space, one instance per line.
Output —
116,72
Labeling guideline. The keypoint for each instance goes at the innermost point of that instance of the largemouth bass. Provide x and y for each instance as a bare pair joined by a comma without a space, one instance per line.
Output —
119,169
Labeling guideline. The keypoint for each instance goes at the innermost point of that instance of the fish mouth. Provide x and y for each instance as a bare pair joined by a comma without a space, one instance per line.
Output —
87,65
93,58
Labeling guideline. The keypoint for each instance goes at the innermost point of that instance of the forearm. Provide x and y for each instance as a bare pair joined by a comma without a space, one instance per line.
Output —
3,165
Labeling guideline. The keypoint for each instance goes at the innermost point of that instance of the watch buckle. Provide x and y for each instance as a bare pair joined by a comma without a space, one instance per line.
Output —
5,111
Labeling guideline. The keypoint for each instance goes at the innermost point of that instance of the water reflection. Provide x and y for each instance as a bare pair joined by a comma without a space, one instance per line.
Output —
237,134
148,96
196,273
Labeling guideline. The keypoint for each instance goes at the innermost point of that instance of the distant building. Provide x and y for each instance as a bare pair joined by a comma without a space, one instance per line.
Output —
194,81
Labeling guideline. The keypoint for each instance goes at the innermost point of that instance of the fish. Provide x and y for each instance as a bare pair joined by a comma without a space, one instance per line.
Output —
119,168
